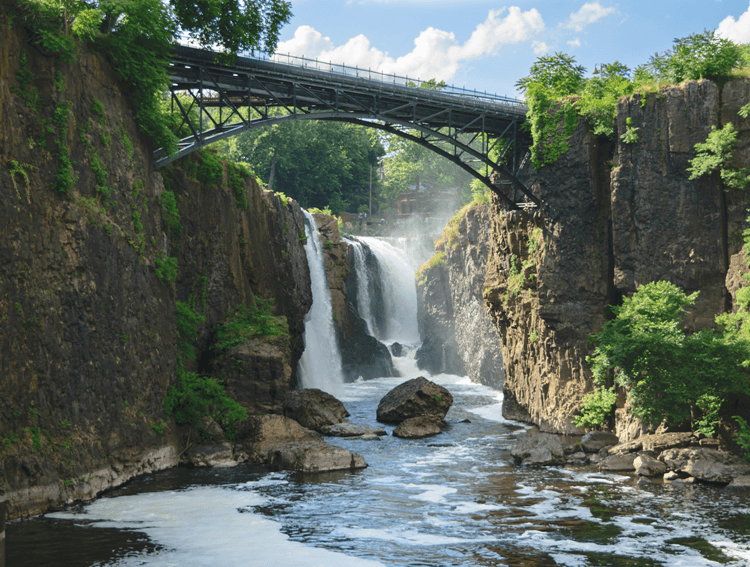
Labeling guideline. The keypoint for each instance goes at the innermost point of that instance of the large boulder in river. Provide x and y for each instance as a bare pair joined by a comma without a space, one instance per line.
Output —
284,444
537,450
594,441
314,409
418,427
414,398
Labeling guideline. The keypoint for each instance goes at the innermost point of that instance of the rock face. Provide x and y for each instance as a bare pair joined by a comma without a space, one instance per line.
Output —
314,409
459,337
615,216
87,328
414,398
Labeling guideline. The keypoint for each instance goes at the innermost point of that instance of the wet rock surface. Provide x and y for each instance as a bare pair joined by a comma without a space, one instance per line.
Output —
348,429
414,398
284,444
314,408
418,427
460,337
537,450
594,441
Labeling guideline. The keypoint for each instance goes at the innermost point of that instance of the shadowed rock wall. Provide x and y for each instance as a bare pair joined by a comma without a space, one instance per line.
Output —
601,238
87,329
459,336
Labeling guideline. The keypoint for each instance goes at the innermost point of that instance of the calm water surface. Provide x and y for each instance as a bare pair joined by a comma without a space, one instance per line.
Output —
455,499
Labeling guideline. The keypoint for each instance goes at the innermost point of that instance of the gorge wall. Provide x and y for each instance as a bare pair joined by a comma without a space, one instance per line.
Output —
459,336
615,216
87,327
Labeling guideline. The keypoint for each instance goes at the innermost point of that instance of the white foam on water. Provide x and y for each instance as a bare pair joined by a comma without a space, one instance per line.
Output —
569,560
408,538
474,508
434,493
206,527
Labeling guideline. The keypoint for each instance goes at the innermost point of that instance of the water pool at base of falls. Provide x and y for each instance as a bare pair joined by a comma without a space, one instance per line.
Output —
456,499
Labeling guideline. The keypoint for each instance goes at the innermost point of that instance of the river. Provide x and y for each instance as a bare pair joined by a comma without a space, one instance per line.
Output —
456,499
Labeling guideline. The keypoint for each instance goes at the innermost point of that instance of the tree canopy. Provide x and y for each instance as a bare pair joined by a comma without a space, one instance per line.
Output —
318,163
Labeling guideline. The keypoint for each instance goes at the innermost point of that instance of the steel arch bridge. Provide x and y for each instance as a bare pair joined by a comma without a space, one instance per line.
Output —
451,122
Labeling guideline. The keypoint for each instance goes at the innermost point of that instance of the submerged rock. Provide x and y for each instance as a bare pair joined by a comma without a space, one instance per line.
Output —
349,429
414,398
418,427
314,409
595,441
540,449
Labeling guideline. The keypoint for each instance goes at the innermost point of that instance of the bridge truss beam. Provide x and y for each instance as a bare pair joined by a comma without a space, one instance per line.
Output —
209,97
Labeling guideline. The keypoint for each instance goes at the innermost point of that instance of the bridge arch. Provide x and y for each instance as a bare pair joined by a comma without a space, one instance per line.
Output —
438,118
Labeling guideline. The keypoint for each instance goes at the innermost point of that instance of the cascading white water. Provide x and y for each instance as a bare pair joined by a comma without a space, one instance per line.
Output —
364,301
320,364
399,294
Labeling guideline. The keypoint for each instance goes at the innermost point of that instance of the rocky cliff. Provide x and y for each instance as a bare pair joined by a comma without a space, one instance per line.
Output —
459,336
616,216
87,325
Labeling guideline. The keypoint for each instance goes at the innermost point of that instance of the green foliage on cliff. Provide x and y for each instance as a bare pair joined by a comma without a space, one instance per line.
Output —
166,269
697,56
556,88
244,323
136,37
669,375
717,154
196,396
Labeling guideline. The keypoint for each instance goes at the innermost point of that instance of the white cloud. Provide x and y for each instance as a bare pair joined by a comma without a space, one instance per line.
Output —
736,30
575,42
540,48
436,54
589,13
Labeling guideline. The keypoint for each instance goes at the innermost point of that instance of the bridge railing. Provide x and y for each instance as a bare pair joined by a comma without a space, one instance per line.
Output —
342,69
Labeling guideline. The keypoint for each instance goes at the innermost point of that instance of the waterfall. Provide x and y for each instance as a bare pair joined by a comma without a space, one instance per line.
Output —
386,292
320,364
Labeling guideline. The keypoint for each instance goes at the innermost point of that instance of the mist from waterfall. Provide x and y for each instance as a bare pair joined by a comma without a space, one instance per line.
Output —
320,364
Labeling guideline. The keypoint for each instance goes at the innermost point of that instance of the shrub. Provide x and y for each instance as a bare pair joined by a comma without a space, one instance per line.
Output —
596,408
210,170
166,269
717,154
171,213
195,396
245,323
669,375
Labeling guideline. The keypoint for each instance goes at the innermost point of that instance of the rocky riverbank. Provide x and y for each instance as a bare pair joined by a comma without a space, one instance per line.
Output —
668,457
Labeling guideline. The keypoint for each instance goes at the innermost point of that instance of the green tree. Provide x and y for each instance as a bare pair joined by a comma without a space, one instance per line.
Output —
668,374
232,24
698,56
318,163
558,74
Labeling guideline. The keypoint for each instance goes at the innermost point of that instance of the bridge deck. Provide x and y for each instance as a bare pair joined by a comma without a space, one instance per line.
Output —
271,84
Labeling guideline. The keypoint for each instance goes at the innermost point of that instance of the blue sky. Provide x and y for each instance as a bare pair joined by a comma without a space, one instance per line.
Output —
489,45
